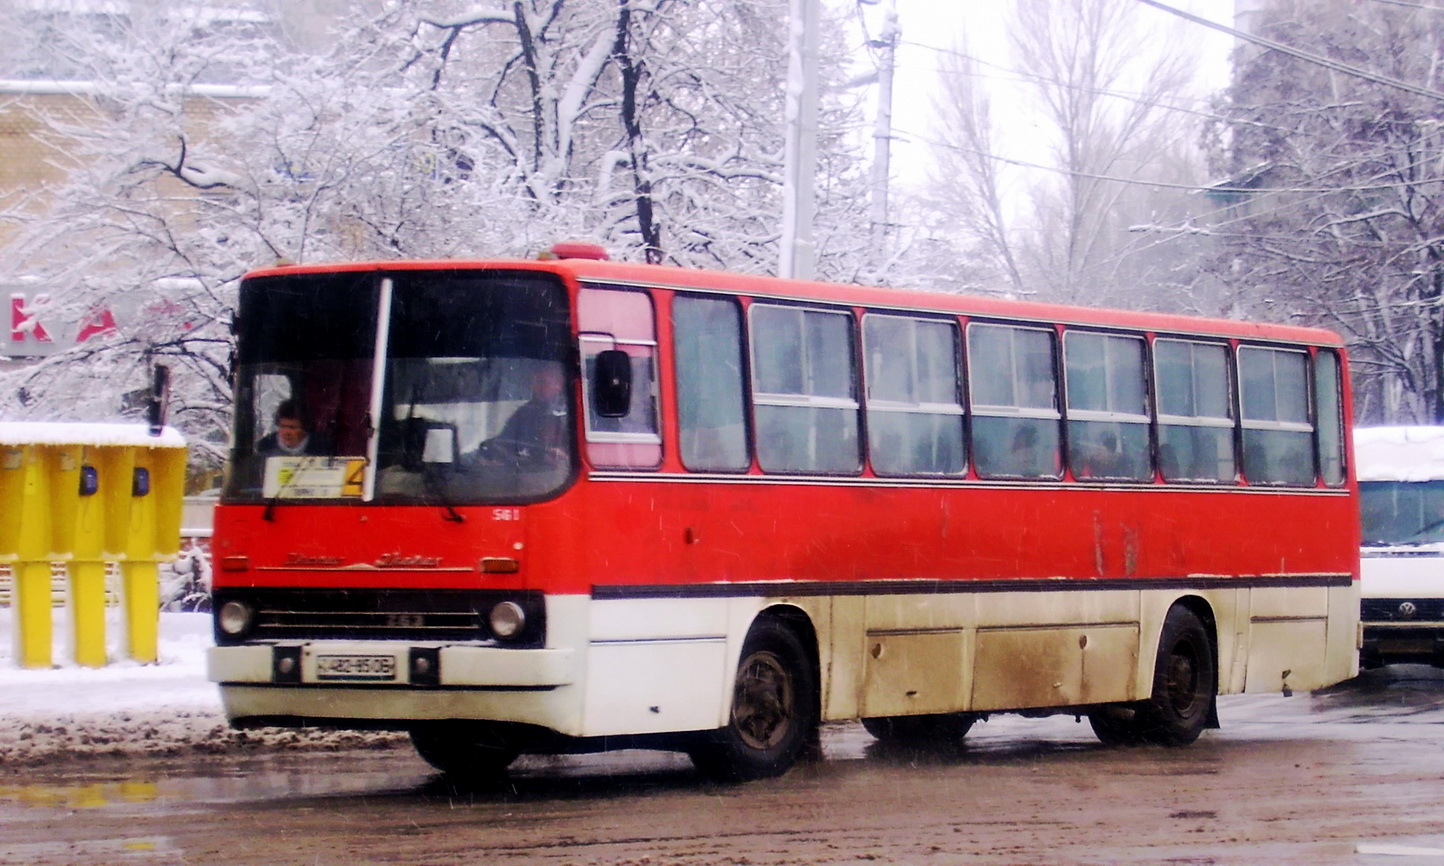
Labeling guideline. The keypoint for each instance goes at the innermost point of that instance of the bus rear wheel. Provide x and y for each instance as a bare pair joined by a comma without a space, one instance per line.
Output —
465,752
774,713
1185,684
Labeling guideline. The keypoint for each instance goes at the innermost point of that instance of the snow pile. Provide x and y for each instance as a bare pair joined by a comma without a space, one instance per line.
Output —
84,433
1399,453
129,709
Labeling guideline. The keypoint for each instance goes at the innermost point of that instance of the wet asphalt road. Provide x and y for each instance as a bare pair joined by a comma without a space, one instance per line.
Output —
1351,775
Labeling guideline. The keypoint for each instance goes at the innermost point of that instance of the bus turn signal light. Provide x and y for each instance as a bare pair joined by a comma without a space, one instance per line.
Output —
499,565
235,563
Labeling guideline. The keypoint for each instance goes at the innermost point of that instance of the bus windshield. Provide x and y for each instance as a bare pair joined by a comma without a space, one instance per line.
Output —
472,402
1402,512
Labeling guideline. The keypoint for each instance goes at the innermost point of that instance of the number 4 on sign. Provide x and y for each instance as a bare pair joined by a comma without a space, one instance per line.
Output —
355,478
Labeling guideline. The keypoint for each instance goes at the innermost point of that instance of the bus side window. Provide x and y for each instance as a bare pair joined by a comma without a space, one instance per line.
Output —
1277,435
1107,407
1195,414
619,319
914,414
707,334
1013,391
804,390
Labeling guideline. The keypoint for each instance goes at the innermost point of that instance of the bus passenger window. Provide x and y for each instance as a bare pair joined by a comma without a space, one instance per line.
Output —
1014,404
914,414
1277,435
1195,415
1329,408
707,334
1107,409
802,368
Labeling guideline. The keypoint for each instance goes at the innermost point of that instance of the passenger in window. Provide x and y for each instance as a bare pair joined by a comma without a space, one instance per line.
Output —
292,436
1297,464
536,433
1027,458
1103,458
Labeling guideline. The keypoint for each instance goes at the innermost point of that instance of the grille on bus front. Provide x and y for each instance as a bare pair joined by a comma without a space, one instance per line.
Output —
1402,610
398,614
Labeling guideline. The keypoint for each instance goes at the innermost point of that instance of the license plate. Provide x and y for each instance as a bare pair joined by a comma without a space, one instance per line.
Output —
355,667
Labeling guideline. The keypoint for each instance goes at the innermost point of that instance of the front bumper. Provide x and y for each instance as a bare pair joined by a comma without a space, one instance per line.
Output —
411,665
1394,643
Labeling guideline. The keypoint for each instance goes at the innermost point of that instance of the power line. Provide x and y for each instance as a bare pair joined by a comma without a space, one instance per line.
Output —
1194,187
1021,76
1302,55
1408,5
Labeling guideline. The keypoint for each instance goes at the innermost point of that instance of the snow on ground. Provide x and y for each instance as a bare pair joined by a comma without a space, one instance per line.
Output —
129,709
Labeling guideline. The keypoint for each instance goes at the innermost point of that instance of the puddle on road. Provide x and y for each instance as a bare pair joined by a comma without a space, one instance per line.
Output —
1394,691
1402,851
83,796
138,849
143,782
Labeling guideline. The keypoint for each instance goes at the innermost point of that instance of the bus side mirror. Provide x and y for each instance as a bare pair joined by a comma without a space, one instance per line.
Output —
612,383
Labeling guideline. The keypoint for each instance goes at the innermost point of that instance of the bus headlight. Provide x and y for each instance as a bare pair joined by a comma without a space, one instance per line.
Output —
235,618
507,620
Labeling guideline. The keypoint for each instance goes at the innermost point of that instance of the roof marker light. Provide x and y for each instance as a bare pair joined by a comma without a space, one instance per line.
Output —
577,250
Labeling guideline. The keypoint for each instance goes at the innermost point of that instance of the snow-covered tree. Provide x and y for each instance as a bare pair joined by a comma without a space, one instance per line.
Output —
1054,220
1334,166
425,129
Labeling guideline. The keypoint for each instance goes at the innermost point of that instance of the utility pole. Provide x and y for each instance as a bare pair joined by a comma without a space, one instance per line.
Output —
798,254
886,44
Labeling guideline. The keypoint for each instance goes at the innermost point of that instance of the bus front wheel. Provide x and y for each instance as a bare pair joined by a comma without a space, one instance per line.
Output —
774,712
466,752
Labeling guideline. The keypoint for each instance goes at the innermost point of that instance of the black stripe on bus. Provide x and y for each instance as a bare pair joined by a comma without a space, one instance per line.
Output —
780,589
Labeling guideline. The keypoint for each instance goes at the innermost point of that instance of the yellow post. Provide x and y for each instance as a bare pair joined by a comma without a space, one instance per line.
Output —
140,596
116,465
72,485
25,540
32,607
152,533
87,568
87,612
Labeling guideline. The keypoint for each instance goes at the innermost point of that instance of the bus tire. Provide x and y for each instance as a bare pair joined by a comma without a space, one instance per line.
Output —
774,711
1116,724
465,752
1185,682
932,728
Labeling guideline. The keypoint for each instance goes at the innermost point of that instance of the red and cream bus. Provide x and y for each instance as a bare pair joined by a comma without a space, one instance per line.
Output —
572,504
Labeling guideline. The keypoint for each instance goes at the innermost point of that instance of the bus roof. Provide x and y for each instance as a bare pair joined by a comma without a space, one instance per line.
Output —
669,277
1399,453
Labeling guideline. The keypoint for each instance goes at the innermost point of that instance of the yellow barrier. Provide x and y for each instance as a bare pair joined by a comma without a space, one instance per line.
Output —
85,495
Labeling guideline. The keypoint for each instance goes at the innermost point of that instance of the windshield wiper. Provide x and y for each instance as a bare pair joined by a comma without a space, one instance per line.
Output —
271,502
437,490
429,482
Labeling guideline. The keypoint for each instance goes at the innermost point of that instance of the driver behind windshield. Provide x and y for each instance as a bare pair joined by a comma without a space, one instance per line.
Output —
538,428
292,436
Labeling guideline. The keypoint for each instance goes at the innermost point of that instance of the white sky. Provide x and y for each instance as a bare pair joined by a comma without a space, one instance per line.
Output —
930,25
